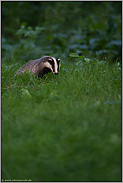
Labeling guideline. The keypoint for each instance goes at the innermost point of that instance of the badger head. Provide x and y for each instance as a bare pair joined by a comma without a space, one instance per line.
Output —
52,64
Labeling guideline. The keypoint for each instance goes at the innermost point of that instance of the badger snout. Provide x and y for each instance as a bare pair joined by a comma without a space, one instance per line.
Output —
55,73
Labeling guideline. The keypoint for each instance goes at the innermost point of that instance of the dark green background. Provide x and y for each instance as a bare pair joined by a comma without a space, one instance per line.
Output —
92,29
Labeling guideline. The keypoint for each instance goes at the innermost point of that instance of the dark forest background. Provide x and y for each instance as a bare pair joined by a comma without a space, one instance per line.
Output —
35,28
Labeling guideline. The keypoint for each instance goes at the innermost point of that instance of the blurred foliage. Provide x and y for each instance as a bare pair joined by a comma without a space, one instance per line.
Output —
31,29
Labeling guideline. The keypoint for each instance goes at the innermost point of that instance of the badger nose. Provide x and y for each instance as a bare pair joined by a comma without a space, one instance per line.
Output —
55,73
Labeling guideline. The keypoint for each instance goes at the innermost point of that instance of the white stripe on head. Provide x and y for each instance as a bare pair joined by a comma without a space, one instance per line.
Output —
55,66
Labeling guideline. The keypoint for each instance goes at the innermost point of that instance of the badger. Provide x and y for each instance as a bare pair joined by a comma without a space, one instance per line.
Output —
41,66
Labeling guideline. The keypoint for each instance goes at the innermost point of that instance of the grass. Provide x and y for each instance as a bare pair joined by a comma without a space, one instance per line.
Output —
62,128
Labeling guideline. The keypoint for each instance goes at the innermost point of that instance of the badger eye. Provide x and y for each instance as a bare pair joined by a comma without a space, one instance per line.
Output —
50,60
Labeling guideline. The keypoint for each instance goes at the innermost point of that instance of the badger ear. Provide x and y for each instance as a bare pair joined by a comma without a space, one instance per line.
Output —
58,59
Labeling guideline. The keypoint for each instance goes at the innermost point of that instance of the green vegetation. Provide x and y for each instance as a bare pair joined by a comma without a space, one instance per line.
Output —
92,29
65,127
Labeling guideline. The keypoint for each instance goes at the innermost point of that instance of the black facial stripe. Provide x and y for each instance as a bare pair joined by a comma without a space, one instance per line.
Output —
58,63
52,64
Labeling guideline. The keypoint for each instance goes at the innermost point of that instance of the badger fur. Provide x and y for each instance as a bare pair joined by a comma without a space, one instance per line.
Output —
41,66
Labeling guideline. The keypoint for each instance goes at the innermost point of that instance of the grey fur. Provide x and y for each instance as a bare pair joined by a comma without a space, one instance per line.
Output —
40,66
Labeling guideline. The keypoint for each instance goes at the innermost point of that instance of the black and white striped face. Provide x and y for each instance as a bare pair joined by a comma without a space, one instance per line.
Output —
53,64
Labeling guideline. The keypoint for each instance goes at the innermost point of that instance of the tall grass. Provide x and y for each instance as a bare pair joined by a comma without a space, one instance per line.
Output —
62,128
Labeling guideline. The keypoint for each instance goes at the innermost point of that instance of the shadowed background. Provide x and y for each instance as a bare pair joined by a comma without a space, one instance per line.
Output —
33,29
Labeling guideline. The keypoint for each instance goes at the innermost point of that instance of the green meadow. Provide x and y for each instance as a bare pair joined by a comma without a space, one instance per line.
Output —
65,127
